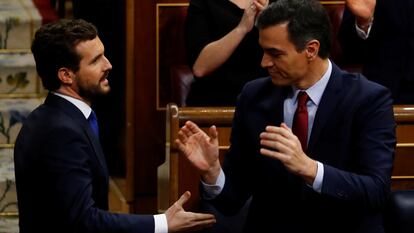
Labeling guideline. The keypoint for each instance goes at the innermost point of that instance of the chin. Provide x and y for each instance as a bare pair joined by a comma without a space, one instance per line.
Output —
280,82
104,89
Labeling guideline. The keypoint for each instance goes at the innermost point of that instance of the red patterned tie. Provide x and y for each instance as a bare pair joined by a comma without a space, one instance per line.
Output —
300,120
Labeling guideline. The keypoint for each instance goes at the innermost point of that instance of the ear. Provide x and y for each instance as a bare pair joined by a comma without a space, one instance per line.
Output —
65,76
312,49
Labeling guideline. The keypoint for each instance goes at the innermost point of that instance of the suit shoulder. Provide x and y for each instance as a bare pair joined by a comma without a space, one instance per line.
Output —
359,89
47,119
258,85
361,83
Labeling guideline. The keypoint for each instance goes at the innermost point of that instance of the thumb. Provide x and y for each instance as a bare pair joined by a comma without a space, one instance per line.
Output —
184,198
212,132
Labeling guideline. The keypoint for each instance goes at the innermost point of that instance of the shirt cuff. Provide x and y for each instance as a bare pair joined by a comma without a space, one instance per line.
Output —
161,224
317,183
361,33
213,190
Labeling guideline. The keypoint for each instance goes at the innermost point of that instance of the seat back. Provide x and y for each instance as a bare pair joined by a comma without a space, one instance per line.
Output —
399,217
181,79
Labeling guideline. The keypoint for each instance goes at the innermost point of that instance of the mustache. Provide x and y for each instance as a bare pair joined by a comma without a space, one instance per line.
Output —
105,75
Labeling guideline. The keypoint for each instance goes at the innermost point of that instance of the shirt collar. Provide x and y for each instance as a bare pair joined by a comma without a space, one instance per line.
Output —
315,92
82,106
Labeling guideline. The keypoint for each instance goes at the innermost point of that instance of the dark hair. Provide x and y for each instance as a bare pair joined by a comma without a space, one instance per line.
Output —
54,45
307,20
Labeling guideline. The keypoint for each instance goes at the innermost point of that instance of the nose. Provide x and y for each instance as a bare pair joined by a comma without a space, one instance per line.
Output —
266,61
108,64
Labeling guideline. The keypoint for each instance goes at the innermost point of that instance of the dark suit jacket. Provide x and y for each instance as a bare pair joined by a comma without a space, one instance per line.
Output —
62,178
388,53
353,135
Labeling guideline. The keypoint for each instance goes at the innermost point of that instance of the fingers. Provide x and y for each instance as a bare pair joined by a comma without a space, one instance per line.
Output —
181,147
181,221
274,154
278,141
200,217
187,131
260,4
184,198
182,139
192,127
212,132
284,125
283,130
278,138
196,221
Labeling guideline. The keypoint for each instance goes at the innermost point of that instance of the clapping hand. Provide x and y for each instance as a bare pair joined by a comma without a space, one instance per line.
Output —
362,9
250,13
280,143
201,150
260,4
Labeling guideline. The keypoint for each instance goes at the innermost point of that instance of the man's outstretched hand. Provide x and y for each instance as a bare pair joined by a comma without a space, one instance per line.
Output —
181,221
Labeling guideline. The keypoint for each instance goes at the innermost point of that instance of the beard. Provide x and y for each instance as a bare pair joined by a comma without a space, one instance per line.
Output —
91,92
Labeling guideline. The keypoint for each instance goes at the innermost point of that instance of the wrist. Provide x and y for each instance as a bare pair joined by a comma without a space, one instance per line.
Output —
242,30
210,176
310,172
364,24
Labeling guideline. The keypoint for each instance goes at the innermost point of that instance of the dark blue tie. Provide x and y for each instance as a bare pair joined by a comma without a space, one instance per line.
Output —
93,122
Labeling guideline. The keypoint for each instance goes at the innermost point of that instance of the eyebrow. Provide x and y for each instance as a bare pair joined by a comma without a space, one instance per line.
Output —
273,50
96,58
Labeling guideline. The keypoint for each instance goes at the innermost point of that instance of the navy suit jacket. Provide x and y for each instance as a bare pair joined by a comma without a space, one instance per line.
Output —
388,53
62,178
353,135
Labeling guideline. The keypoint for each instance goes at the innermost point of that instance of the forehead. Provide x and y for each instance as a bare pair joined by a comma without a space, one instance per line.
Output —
89,48
276,36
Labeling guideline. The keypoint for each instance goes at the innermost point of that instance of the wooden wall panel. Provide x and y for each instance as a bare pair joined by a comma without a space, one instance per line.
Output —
170,46
147,131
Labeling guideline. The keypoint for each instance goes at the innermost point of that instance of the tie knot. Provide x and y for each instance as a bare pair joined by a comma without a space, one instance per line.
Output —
92,116
302,98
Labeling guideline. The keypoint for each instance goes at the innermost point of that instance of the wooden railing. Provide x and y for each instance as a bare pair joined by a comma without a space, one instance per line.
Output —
176,175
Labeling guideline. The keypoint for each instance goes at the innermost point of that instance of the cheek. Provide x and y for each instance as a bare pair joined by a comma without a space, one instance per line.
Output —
285,67
298,65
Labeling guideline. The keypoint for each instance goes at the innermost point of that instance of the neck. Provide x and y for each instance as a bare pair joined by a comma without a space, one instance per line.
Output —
315,72
72,93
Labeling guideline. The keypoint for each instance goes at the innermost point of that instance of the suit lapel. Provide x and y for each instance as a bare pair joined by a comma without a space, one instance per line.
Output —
327,105
96,145
272,105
